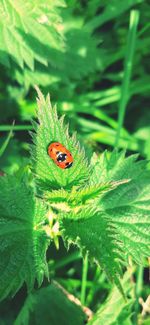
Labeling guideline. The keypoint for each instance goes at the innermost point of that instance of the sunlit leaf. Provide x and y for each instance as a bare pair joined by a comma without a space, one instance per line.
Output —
52,129
117,225
23,243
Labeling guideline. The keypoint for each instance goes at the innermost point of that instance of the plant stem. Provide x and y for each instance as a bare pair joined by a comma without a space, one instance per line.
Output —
144,29
15,127
134,18
6,142
138,290
84,279
66,260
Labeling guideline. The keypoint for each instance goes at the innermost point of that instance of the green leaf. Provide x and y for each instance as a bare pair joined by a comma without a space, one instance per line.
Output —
128,206
79,196
90,230
51,306
115,310
114,167
118,225
52,129
23,242
24,25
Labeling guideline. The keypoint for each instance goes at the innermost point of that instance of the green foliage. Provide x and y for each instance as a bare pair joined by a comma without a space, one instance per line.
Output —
132,34
48,27
112,10
91,231
23,243
79,196
25,24
118,225
14,156
28,26
128,205
51,129
52,306
115,310
76,51
116,214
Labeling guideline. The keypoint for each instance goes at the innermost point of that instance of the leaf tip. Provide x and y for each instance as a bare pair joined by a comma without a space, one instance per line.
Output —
40,95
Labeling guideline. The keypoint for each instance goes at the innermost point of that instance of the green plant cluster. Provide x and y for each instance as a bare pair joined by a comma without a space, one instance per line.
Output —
76,237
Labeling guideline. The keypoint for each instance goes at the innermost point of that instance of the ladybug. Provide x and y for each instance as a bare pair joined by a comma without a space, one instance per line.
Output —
60,155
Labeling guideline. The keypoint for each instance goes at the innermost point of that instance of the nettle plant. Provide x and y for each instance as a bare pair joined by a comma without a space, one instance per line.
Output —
102,206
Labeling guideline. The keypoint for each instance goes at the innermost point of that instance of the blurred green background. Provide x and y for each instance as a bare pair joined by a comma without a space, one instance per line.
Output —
93,57
76,50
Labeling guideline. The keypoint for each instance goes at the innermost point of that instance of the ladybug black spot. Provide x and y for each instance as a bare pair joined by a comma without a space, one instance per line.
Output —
61,157
68,165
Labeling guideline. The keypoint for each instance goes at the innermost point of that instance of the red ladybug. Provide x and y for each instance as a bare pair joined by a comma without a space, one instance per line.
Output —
60,155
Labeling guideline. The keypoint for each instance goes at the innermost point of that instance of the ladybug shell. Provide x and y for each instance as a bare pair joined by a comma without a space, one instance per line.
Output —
60,155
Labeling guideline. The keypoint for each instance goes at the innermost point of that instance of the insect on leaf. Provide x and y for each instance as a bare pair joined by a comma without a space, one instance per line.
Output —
52,129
